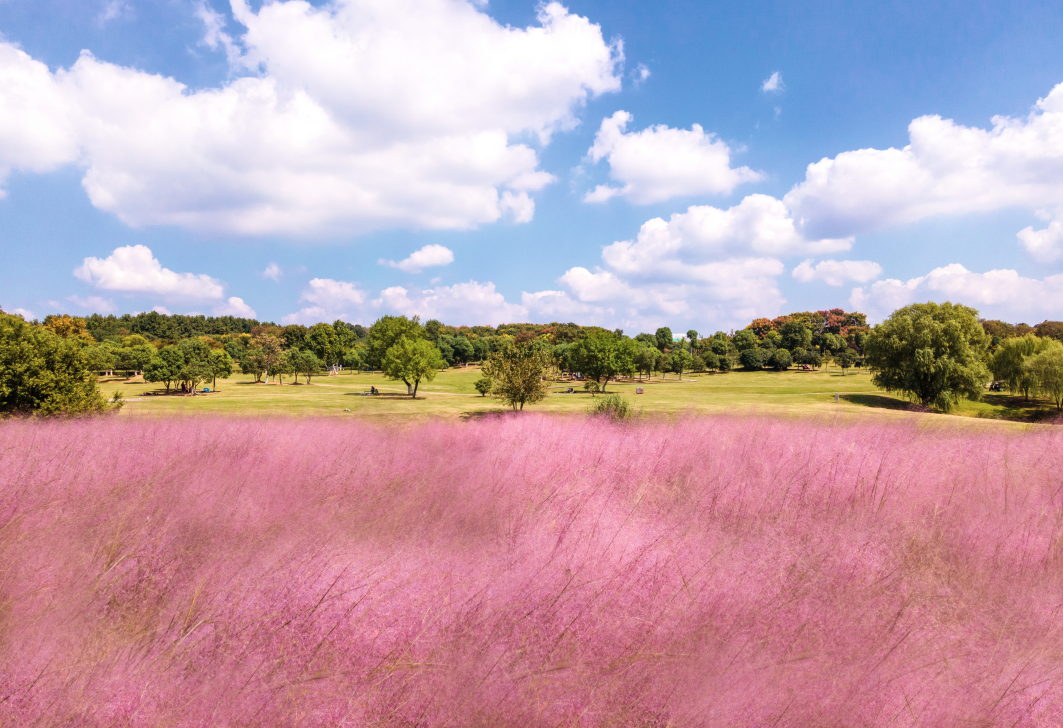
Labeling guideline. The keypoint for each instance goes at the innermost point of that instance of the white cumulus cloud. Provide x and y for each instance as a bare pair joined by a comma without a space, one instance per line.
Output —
357,115
463,303
759,225
659,163
329,300
235,307
470,303
429,256
837,272
1045,245
946,169
133,269
996,293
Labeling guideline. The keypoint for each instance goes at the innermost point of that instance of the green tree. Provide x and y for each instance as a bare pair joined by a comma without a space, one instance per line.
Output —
294,336
269,348
443,343
846,360
754,359
135,358
833,344
518,374
721,345
692,336
221,365
43,373
646,360
386,332
283,365
412,360
252,362
664,338
681,361
321,339
463,350
433,329
129,342
307,364
603,354
795,335
1008,362
780,360
354,358
481,348
346,336
745,339
664,364
711,360
195,366
1046,370
165,367
930,352
99,358
483,386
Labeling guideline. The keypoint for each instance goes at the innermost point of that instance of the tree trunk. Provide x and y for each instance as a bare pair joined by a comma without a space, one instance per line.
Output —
416,384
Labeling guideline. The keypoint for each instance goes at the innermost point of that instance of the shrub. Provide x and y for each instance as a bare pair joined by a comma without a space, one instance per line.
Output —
613,406
483,386
780,360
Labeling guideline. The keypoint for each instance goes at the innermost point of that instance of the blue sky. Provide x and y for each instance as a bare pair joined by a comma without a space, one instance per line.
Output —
626,164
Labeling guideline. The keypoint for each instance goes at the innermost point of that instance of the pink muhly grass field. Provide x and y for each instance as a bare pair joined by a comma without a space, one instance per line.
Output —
528,571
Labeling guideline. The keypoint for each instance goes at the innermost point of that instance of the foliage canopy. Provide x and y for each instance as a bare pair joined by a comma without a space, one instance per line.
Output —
42,372
930,352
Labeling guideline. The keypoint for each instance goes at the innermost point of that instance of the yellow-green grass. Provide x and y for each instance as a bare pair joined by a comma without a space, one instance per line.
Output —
452,394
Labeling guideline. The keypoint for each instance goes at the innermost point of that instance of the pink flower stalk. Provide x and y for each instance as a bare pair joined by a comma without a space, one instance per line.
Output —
528,571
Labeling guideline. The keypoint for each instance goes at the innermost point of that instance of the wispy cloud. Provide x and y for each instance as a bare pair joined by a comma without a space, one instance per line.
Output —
273,272
773,83
112,10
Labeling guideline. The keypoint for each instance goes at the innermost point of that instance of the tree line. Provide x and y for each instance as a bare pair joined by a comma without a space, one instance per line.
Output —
934,354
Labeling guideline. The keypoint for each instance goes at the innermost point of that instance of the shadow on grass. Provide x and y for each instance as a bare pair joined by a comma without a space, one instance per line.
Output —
996,407
1015,407
386,395
480,415
878,401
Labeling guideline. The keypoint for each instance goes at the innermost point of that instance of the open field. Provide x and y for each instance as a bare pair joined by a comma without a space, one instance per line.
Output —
529,571
452,395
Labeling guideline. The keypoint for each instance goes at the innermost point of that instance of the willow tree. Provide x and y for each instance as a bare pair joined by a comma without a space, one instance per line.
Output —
930,352
1046,371
1007,362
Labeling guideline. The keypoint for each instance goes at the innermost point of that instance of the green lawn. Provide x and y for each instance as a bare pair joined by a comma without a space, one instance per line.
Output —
791,393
